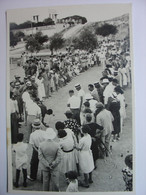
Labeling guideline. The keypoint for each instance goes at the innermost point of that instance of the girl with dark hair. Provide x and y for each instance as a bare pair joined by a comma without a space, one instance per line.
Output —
128,173
73,185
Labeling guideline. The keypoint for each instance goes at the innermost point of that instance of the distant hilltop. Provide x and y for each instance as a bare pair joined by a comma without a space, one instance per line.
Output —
121,22
75,19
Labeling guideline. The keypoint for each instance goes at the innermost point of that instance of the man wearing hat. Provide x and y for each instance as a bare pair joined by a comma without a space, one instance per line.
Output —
50,157
81,94
105,83
33,111
36,137
18,95
105,119
74,105
17,79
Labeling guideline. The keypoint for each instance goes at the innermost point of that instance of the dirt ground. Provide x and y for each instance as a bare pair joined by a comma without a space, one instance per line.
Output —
108,176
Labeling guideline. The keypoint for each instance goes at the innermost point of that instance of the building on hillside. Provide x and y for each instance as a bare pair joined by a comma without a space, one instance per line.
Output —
53,15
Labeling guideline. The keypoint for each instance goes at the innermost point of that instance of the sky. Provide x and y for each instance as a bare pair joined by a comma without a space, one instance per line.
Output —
92,13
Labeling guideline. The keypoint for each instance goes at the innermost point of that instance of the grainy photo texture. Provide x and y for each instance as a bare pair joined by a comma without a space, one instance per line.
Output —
70,103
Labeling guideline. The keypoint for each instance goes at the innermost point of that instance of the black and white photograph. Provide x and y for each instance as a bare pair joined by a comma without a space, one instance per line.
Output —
70,99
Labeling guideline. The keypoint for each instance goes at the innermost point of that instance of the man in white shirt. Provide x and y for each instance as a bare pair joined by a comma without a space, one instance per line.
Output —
74,104
92,102
109,90
33,111
105,119
36,137
81,94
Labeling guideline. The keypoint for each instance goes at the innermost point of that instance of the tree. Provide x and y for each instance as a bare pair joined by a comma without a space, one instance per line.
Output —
48,21
41,38
56,42
13,39
35,42
87,40
20,35
106,30
84,20
27,24
13,26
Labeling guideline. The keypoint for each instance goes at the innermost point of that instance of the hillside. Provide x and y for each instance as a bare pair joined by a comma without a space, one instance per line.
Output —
121,22
70,32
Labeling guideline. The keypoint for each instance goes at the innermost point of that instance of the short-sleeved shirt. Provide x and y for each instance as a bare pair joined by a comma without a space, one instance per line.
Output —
74,102
104,119
37,137
81,93
33,109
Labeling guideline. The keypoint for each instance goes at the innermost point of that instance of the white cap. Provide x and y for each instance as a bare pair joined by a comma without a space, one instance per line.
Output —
88,96
105,81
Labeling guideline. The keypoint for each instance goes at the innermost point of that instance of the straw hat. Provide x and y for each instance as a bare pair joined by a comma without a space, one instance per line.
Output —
36,123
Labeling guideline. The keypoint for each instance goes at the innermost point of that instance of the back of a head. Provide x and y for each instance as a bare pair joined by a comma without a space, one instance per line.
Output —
72,175
85,128
62,133
88,117
59,125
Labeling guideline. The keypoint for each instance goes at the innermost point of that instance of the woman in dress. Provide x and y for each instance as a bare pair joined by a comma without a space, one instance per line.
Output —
94,131
85,156
67,145
72,124
41,88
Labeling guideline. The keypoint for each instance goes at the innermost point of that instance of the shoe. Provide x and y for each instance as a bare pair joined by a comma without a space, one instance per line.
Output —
24,184
84,185
90,181
16,185
28,177
114,140
118,138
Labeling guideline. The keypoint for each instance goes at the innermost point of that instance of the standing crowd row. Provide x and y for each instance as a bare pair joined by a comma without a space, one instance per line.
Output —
94,119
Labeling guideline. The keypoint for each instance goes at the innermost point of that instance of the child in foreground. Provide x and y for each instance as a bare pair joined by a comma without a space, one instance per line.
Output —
21,159
73,185
128,173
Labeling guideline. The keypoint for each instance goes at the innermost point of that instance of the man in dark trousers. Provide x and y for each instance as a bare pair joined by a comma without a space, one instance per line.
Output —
36,137
50,157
